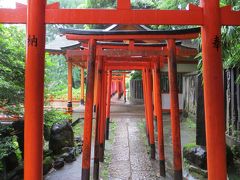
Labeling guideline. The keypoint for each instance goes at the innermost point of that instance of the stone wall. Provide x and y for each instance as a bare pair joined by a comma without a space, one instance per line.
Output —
190,94
232,103
193,104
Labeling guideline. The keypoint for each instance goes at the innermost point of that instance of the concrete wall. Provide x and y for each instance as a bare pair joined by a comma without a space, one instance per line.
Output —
181,68
166,101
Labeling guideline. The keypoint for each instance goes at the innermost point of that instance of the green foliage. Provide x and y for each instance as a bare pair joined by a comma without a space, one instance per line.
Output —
53,116
136,75
68,3
236,151
144,4
231,46
190,146
55,74
52,29
8,142
190,123
100,3
12,56
104,173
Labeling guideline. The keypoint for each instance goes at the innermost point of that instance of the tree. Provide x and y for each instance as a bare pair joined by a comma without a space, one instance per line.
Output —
12,57
231,39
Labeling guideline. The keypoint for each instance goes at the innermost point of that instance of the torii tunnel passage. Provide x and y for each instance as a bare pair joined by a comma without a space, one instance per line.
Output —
116,56
209,16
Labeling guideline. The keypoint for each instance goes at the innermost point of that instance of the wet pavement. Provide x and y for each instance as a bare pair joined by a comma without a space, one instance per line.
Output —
130,159
128,149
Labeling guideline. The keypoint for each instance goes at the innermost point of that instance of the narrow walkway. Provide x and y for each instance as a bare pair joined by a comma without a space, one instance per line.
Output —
129,153
130,158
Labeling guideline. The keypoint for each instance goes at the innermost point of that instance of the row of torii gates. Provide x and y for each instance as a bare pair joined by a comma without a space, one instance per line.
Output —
209,16
106,57
117,81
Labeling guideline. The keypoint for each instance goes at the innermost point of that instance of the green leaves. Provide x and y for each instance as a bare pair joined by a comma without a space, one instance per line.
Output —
53,116
12,57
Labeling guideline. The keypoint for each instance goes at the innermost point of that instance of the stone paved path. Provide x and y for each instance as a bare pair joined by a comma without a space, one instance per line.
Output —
130,158
129,151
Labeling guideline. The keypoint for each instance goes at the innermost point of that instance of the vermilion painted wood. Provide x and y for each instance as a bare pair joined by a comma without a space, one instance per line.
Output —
213,91
158,109
109,93
82,85
106,16
103,115
229,17
109,81
129,53
150,111
124,88
69,108
96,84
133,37
154,103
136,51
98,119
103,50
34,91
145,96
81,61
88,114
124,4
174,110
122,15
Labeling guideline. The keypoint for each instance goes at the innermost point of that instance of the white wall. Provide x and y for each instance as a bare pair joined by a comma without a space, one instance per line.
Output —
182,68
187,68
166,101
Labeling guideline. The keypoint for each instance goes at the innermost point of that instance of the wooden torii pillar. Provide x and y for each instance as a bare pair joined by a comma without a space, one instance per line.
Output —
103,115
213,90
98,118
145,104
149,109
82,86
158,110
124,88
70,83
109,82
34,90
88,114
174,110
96,85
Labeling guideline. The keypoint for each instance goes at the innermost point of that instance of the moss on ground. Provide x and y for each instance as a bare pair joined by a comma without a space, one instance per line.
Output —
190,146
189,122
142,127
104,172
78,129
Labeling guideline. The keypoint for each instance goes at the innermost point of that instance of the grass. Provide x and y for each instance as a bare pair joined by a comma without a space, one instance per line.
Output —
190,123
78,129
63,93
190,146
104,172
142,127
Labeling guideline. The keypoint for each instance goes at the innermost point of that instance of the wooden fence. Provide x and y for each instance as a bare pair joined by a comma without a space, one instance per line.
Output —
193,101
232,103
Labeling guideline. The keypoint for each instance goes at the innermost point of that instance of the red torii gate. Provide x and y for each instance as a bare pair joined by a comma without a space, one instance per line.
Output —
210,16
130,62
122,50
119,65
148,112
